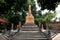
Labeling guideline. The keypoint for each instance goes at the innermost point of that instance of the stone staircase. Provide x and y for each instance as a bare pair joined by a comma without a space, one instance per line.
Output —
29,27
30,35
30,32
4,37
26,35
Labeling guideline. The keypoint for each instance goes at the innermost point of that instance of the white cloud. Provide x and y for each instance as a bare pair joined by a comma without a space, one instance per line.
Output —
58,15
52,11
44,11
38,8
57,11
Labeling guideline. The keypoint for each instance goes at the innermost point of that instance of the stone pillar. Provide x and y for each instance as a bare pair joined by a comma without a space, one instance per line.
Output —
12,26
39,24
19,25
47,26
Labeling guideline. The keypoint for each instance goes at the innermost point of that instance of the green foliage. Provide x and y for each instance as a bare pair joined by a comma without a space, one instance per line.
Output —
46,17
6,7
48,4
42,20
15,18
49,16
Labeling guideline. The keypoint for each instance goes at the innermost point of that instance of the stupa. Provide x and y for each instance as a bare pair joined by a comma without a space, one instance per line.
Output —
29,17
29,22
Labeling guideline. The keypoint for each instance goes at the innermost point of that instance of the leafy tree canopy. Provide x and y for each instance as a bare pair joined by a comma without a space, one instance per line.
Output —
49,4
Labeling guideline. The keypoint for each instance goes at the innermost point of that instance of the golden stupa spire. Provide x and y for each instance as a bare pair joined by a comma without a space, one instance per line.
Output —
29,9
29,17
29,6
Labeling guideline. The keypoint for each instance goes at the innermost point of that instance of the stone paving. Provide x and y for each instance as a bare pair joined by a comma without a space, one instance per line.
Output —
26,35
57,37
30,35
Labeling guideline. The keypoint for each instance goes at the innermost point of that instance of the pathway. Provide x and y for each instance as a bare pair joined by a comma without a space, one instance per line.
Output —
57,37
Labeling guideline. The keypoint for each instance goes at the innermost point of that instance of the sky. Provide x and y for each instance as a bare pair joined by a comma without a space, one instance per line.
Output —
46,11
58,11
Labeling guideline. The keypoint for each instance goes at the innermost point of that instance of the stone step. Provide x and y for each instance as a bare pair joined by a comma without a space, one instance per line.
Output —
30,28
33,39
3,37
53,35
30,31
30,35
29,24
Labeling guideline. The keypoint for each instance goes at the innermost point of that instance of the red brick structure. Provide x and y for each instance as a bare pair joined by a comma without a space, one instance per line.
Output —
54,25
3,23
2,20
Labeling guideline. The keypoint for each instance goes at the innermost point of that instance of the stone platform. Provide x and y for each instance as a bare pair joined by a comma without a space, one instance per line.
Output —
29,27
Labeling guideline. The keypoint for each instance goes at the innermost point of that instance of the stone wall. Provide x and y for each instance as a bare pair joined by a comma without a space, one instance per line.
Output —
54,25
